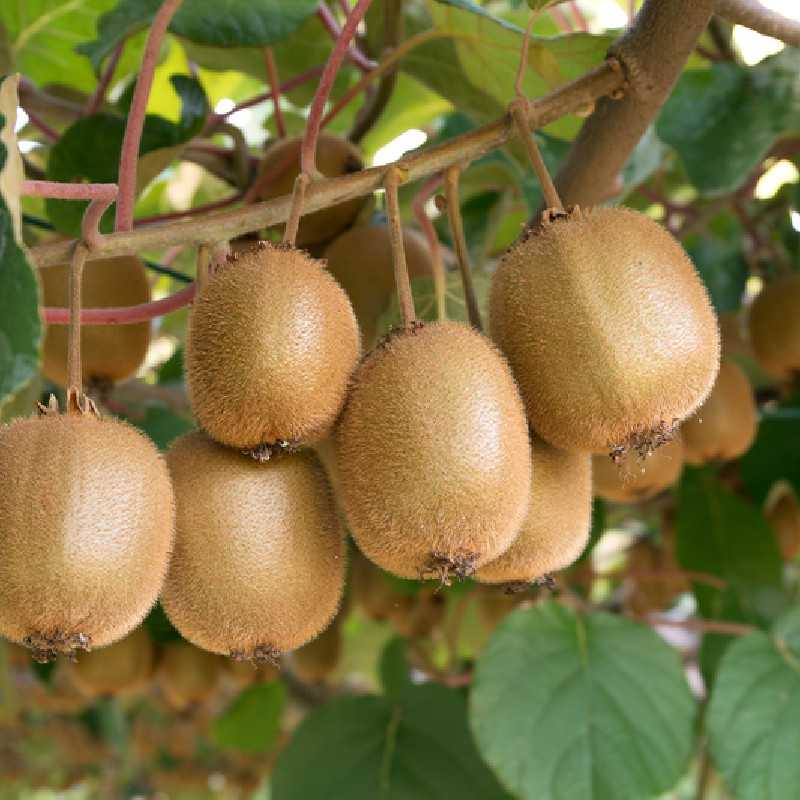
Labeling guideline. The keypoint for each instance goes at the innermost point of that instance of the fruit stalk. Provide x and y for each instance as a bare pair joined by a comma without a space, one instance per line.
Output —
437,265
551,198
275,88
332,26
74,352
394,176
129,154
298,198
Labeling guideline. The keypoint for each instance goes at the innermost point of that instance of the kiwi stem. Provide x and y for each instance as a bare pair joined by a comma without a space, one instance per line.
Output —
523,56
298,199
74,374
453,207
332,26
394,177
203,266
428,229
308,152
129,155
275,87
99,94
520,117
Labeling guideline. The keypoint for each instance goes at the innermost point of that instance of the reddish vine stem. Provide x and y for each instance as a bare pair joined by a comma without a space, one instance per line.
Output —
90,224
70,191
38,122
701,625
452,205
580,19
99,93
437,265
129,154
190,212
332,26
275,90
74,374
313,124
392,180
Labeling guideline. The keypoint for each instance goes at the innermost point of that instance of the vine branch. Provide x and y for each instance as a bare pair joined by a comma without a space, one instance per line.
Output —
752,14
332,26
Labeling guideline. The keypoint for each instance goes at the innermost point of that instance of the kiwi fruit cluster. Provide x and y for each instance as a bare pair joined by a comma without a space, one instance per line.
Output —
774,326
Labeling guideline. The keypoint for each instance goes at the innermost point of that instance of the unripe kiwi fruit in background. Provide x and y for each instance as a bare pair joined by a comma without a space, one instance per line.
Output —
726,424
124,666
774,325
244,674
335,157
317,660
654,577
86,529
187,675
783,513
271,346
259,561
109,353
556,529
371,591
495,604
608,328
361,261
433,453
417,616
61,695
638,479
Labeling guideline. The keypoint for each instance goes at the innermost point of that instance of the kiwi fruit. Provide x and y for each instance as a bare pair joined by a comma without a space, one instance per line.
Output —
187,675
417,616
608,328
122,667
556,529
271,346
61,695
109,353
86,529
640,479
371,591
774,325
433,453
244,674
783,513
495,604
725,425
653,576
335,157
316,661
361,261
259,560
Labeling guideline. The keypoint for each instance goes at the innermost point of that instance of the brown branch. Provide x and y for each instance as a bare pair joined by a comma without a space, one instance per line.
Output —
394,177
757,17
326,192
700,625
652,52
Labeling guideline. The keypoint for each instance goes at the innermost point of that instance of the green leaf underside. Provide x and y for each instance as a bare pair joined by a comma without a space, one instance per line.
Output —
252,722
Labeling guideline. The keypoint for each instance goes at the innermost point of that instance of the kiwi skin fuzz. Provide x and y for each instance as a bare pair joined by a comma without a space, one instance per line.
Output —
433,453
559,519
638,479
109,353
187,675
83,499
259,560
725,426
608,328
361,261
335,157
271,346
774,325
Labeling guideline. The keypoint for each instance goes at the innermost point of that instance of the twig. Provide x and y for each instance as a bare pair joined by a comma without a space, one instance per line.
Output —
308,162
99,93
38,122
70,191
129,155
580,19
275,89
332,26
90,232
394,177
241,152
437,264
453,207
327,192
700,625
752,14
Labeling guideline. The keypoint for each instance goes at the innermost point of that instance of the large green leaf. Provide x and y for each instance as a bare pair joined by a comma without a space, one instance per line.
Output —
252,722
219,23
753,716
416,746
20,325
581,707
723,121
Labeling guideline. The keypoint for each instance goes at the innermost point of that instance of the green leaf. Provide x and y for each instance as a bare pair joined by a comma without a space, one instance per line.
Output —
752,717
582,707
230,23
162,425
416,746
721,265
252,722
723,121
20,325
394,667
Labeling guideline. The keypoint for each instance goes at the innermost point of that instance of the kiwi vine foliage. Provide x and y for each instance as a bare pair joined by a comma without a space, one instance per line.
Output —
463,693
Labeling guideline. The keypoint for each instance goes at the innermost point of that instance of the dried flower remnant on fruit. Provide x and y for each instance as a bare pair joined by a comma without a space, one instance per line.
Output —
46,647
260,655
444,567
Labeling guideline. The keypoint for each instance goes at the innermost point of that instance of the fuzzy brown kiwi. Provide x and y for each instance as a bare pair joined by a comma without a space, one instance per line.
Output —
653,576
244,674
259,560
433,453
417,616
608,328
335,157
371,591
122,667
774,325
725,425
495,604
109,353
556,529
783,513
86,529
316,661
638,479
361,261
271,346
187,675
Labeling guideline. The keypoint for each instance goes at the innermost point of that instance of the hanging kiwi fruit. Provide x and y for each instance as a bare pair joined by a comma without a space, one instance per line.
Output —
774,325
259,561
725,426
653,577
187,675
110,353
782,511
